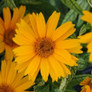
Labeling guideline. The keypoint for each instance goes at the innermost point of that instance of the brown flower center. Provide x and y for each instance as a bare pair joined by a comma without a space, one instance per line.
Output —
8,38
4,88
44,47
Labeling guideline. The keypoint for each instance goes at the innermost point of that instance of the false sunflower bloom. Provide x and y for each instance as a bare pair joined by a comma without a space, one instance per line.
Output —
44,47
87,38
87,85
11,80
7,30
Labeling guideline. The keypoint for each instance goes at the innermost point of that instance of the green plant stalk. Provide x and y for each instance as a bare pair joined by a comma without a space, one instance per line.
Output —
65,81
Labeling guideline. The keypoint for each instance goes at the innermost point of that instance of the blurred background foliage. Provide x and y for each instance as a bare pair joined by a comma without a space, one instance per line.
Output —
71,10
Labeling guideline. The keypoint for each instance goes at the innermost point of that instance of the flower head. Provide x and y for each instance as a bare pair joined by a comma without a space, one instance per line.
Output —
87,85
11,80
7,30
87,38
44,47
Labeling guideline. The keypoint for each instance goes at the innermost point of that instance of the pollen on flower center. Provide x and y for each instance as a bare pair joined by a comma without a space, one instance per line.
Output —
4,88
8,38
44,47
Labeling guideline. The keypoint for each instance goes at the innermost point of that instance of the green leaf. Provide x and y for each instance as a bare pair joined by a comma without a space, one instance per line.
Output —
72,15
76,80
90,2
44,88
30,2
44,7
85,6
72,4
84,28
10,3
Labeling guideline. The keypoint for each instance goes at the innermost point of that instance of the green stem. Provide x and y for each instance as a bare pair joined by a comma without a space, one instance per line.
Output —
65,81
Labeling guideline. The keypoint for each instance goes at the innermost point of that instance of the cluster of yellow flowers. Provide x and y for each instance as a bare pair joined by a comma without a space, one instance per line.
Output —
38,46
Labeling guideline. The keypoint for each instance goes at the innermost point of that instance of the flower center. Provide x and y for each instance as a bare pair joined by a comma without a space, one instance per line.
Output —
4,88
44,47
8,38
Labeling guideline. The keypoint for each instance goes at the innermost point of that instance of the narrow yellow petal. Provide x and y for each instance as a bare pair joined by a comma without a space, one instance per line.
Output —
22,10
33,22
14,18
2,47
52,23
8,53
67,44
63,31
90,57
41,26
33,66
7,17
59,70
44,68
87,16
2,30
86,38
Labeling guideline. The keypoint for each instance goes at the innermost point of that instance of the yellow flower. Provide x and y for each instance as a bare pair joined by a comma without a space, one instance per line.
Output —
11,80
44,47
87,85
87,38
7,30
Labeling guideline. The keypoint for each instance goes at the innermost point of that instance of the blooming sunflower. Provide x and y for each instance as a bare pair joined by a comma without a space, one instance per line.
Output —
87,85
7,30
44,47
11,80
87,38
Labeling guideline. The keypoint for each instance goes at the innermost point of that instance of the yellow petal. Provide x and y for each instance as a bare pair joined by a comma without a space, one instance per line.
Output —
2,47
90,57
76,50
44,68
52,23
11,72
1,21
24,50
3,70
86,38
87,16
23,36
7,17
22,66
22,10
8,53
89,46
57,68
65,68
33,22
63,31
41,26
64,57
67,44
2,30
14,18
33,66
24,86
25,30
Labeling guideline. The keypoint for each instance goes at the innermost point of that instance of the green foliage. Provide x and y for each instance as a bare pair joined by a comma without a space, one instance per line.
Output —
72,4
